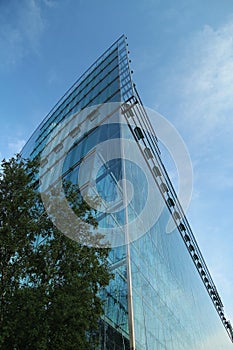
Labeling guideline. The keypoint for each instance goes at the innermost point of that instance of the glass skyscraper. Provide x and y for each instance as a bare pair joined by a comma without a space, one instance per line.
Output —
162,295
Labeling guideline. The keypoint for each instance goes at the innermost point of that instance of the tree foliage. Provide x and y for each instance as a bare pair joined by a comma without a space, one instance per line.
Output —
49,283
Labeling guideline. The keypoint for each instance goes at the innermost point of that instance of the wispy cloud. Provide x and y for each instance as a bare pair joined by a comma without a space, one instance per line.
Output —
202,86
206,80
31,23
50,3
22,27
53,77
199,90
16,145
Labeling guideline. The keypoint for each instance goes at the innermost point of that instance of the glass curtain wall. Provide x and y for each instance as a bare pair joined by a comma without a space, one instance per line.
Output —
170,308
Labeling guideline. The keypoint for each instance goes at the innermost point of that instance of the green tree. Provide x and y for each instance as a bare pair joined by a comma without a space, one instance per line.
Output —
49,284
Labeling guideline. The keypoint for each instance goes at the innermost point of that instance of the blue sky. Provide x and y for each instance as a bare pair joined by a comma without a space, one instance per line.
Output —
182,57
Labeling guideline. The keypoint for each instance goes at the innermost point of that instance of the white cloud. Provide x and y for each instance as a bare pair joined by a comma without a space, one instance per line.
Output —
202,87
206,81
31,23
53,77
50,3
16,145
22,27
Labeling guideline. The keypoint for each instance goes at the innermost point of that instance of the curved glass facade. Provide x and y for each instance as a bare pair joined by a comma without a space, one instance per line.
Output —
161,296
